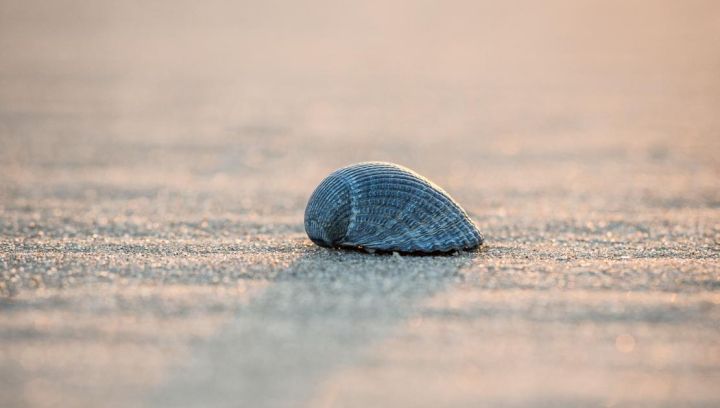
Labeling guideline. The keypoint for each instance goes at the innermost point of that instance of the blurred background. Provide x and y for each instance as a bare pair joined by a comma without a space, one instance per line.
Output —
178,92
156,158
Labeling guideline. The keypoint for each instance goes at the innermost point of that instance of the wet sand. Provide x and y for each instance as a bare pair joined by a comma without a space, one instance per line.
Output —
155,161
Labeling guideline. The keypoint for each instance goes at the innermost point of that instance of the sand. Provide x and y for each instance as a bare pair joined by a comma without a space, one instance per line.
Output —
155,161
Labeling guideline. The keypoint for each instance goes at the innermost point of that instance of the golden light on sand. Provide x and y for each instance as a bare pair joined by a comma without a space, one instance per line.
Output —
625,343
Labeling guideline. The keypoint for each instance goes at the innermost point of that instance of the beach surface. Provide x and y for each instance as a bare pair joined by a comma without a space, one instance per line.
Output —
156,159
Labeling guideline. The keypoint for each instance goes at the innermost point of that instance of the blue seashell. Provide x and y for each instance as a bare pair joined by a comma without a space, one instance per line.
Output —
387,207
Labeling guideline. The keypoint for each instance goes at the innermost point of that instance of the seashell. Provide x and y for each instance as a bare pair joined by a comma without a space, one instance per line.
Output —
387,207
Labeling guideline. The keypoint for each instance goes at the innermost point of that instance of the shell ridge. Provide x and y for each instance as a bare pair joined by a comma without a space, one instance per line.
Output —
417,238
353,208
389,207
331,192
386,240
440,203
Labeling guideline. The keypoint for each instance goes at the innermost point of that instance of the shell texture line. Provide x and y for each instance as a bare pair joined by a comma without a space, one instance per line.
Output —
379,206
